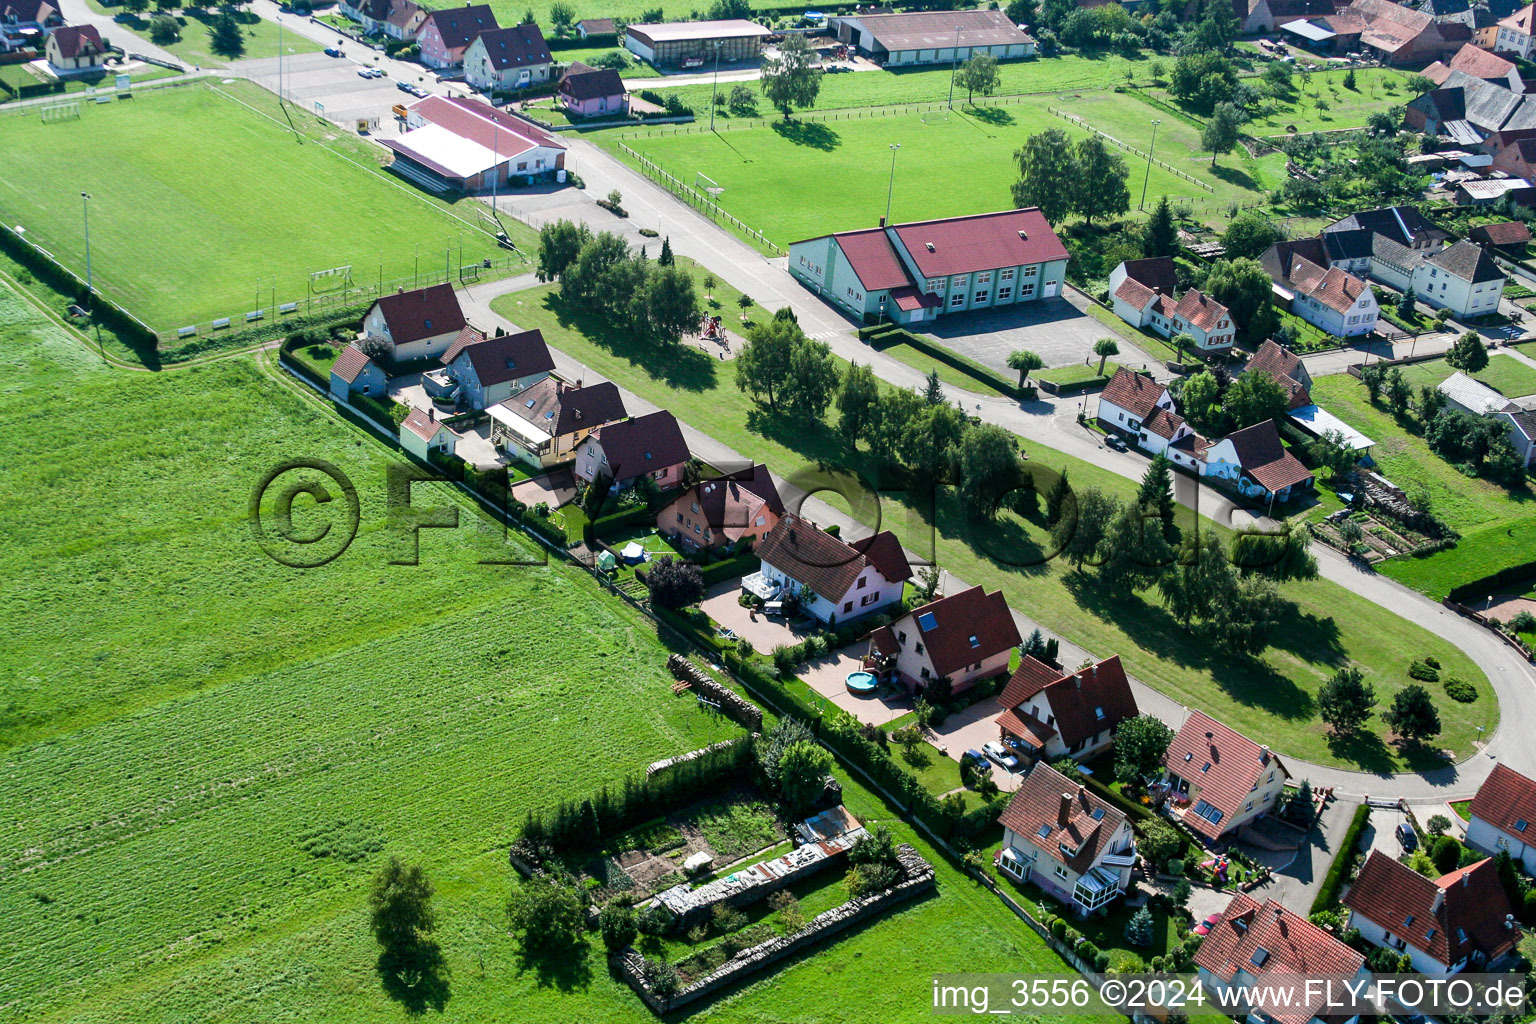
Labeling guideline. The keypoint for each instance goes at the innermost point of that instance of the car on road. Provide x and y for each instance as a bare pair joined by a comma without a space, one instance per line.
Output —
1205,926
1407,838
404,86
365,72
419,91
1115,442
979,760
998,754
334,51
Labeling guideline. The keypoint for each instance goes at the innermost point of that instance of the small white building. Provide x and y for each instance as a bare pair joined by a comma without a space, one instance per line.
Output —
1515,31
354,373
1503,817
423,433
832,580
1445,925
1256,464
961,638
1069,842
74,48
1473,396
1142,293
419,324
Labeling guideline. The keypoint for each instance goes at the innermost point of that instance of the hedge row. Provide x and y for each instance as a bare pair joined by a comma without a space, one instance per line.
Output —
1494,583
728,568
894,335
615,521
1333,881
133,331
556,44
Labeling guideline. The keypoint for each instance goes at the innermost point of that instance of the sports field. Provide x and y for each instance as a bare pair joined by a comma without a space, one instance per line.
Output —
189,727
807,177
203,208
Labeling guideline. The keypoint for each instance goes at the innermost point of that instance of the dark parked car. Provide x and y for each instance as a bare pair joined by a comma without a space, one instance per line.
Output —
1407,837
333,51
978,760
1116,442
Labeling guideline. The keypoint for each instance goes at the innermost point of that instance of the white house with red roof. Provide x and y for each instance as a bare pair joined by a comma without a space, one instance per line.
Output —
502,59
459,143
1048,714
1069,842
418,324
1254,943
1254,463
1445,925
1143,295
1327,296
831,579
1503,817
1515,32
1216,780
963,637
911,273
74,48
423,433
1141,410
445,35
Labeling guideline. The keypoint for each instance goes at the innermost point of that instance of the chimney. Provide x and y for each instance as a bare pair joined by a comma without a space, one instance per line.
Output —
882,222
1466,878
431,414
1077,681
1434,908
1064,812
1264,754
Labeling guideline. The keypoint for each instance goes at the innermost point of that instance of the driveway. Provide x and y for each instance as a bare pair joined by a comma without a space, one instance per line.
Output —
968,731
1381,831
475,447
1056,328
554,488
1298,876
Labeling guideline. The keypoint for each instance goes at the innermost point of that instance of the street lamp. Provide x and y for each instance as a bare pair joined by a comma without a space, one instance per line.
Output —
90,291
954,65
891,186
1144,181
714,88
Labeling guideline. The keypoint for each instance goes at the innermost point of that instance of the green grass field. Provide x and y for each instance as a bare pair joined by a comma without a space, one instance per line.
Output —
1271,696
588,54
182,715
201,208
1505,374
774,175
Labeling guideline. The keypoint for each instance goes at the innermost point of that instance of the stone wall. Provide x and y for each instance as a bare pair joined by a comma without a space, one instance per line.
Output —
917,878
734,706
692,755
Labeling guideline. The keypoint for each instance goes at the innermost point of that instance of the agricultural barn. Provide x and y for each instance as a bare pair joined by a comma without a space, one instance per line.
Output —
676,41
910,273
455,144
932,37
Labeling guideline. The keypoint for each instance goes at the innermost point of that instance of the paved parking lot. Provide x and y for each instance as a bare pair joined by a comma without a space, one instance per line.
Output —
968,731
1057,329
333,82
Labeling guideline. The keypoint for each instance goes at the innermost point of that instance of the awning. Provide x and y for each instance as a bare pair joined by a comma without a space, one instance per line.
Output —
908,298
1317,421
517,425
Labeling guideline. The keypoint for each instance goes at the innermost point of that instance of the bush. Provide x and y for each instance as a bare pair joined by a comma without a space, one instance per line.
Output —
1058,928
1460,690
617,923
1328,894
1423,671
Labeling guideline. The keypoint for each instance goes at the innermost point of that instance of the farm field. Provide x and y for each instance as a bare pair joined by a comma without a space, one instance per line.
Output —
1271,696
203,208
759,167
208,754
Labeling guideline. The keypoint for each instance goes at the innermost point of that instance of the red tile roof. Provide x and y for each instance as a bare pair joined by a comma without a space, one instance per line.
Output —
1135,293
802,550
498,360
350,364
476,120
1038,804
873,259
1163,423
1265,459
1505,800
1133,392
644,444
1156,273
1480,63
730,504
460,25
1259,939
984,242
1509,232
558,408
424,313
77,40
1522,20
1026,727
909,298
966,628
519,46
1084,703
423,425
1284,366
1224,764
1470,917
1201,310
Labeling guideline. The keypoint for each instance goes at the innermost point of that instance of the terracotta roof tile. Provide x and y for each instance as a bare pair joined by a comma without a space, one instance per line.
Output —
1265,459
1224,764
1084,703
1509,232
1163,422
423,425
350,364
1032,676
964,628
423,313
802,550
1470,916
1133,392
873,259
498,360
1505,800
1026,727
77,40
644,444
984,242
1036,806
1201,310
730,505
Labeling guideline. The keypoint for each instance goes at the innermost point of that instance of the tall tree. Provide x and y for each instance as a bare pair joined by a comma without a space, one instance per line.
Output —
400,905
1047,174
813,378
665,257
1156,495
548,916
225,37
1221,131
1021,12
803,769
1026,362
1102,181
1253,398
561,15
858,402
979,74
1057,500
673,304
1245,289
1249,234
791,79
1079,535
1133,553
933,388
762,365
989,468
1201,399
1346,700
1469,353
1104,348
1413,714
1161,236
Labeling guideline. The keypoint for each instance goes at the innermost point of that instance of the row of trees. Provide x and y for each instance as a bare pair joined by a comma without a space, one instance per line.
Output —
654,300
1347,701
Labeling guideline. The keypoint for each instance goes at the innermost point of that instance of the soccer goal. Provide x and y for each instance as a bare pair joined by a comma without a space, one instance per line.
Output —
708,184
324,282
60,112
940,116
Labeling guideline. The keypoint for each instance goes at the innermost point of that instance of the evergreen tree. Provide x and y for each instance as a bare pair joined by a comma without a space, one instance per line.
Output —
665,259
1346,701
1079,537
1413,714
1055,498
225,37
1160,237
933,390
1156,495
1138,931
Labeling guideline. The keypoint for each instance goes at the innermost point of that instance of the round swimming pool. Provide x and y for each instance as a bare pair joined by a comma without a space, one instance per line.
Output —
862,682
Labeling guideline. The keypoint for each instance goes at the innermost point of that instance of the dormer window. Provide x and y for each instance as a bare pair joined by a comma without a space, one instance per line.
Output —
974,642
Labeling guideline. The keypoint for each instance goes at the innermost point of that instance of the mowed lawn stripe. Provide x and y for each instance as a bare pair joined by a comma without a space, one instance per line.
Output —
201,207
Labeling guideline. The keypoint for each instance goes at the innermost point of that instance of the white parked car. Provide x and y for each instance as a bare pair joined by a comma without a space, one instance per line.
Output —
999,755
